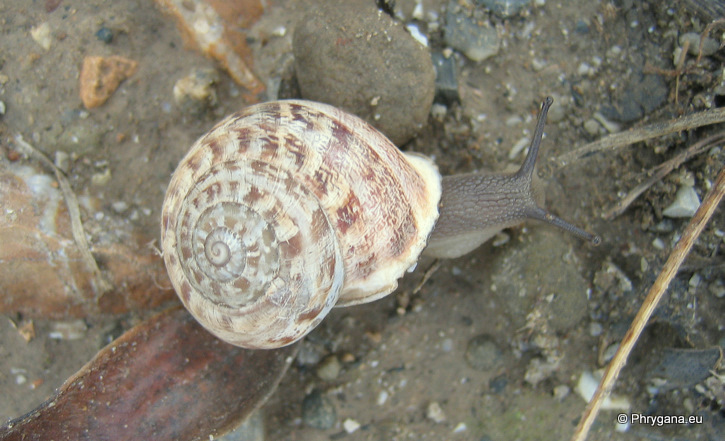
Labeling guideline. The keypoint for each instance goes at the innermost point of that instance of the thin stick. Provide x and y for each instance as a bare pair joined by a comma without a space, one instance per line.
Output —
659,172
678,254
429,272
102,285
631,136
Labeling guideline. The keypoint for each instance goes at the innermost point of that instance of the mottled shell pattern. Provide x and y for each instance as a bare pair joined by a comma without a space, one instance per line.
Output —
286,209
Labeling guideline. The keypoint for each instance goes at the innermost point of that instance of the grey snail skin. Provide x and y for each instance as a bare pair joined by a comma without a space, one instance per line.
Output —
289,208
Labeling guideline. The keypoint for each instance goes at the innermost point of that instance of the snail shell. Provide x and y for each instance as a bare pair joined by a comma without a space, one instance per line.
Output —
286,209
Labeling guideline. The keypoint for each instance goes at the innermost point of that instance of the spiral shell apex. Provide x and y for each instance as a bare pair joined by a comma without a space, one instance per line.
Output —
286,209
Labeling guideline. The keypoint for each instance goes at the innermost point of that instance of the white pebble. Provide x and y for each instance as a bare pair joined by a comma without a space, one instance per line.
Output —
460,427
695,280
435,413
279,31
561,391
588,385
685,205
538,65
350,425
382,397
417,35
591,126
585,69
718,290
119,206
519,146
418,12
595,329
69,330
609,352
102,178
41,35
513,121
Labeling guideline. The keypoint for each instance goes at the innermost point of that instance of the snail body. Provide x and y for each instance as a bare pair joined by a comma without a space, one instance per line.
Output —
286,209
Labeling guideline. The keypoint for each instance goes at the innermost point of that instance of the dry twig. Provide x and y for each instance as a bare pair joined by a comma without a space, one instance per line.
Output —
677,256
622,139
656,174
102,285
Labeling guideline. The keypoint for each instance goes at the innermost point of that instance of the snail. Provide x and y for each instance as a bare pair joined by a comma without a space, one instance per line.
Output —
288,208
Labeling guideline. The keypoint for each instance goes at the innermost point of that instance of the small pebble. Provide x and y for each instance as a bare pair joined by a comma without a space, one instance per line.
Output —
664,226
329,368
611,278
101,179
119,206
438,112
586,387
609,352
2,108
446,80
595,329
718,289
483,353
709,47
585,69
695,280
558,110
477,42
592,127
498,384
581,27
418,12
318,411
41,35
685,204
500,239
382,397
519,146
350,425
504,8
70,330
538,65
196,92
417,34
561,391
614,52
105,35
539,370
309,354
460,428
100,77
435,413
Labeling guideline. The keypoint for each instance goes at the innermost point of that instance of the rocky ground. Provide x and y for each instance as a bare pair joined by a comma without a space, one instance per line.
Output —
496,345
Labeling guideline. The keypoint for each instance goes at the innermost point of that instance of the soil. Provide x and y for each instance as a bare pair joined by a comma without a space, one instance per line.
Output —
405,356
